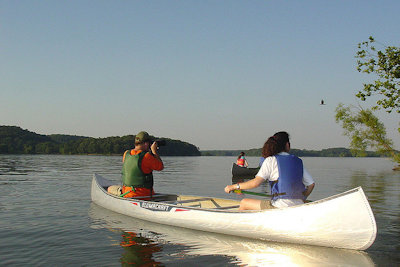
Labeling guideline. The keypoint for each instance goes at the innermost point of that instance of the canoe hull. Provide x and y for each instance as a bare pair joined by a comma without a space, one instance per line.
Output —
242,172
247,252
342,221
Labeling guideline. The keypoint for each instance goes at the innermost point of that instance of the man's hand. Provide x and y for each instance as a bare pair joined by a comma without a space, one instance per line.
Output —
154,148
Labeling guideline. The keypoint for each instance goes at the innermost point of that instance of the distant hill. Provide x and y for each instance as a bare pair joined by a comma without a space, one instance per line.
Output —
15,140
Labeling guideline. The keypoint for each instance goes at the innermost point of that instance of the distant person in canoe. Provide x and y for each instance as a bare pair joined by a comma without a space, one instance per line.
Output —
137,168
290,182
241,160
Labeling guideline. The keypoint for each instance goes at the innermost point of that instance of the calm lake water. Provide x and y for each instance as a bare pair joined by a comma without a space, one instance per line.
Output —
47,218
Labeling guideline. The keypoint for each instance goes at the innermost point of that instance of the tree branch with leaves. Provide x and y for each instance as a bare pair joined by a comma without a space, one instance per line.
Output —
365,131
386,65
362,127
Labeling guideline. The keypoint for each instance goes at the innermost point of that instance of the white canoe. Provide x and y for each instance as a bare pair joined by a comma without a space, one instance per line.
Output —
342,221
243,251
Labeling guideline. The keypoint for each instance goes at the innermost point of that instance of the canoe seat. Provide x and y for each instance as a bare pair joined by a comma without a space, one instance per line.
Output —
204,202
176,202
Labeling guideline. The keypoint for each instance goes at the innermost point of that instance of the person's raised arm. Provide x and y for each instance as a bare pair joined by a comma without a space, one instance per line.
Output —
154,150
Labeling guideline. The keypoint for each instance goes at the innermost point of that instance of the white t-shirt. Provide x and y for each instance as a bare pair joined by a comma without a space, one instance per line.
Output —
269,171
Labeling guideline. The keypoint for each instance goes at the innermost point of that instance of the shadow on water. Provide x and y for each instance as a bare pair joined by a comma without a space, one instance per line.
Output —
147,243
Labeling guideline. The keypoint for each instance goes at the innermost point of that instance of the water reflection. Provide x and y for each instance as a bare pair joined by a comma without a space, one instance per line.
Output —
145,238
375,185
236,180
14,165
382,189
138,250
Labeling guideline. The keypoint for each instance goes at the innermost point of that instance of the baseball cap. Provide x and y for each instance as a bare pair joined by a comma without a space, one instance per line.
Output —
142,137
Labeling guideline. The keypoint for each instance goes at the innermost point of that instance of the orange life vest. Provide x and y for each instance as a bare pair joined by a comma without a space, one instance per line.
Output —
240,162
139,191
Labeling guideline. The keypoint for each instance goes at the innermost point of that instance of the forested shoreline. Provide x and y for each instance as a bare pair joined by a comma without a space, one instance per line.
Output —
330,152
15,140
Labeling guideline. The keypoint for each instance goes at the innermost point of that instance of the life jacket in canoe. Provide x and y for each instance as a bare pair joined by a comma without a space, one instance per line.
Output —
132,174
290,182
240,161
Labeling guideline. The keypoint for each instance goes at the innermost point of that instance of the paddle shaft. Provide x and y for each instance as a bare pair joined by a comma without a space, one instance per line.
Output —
238,191
125,193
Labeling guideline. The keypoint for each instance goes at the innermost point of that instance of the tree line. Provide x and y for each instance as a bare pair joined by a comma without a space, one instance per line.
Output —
329,152
15,140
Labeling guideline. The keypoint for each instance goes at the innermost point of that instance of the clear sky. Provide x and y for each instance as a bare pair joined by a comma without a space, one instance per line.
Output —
217,74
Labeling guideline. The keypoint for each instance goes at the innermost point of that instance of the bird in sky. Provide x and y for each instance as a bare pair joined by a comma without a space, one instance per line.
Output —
322,102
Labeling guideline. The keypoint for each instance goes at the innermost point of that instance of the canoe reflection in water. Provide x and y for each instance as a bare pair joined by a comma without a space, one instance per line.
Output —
138,250
142,238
